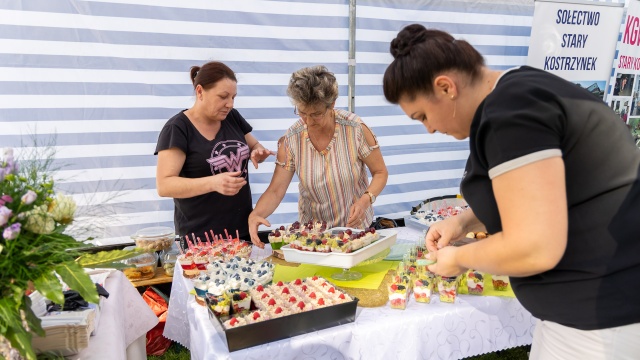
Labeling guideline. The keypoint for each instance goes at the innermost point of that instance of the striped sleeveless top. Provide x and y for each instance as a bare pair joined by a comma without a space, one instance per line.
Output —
333,179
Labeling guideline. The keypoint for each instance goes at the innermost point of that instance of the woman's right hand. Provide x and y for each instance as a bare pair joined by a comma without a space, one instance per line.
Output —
255,221
228,183
444,232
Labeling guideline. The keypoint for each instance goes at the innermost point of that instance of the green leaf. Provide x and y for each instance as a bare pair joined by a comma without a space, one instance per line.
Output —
105,257
50,287
117,266
78,280
33,321
21,340
9,314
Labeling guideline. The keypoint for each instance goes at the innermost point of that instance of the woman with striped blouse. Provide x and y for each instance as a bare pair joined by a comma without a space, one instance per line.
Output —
330,150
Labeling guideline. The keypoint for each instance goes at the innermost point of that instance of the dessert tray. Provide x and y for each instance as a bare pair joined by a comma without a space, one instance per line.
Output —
342,260
276,328
433,210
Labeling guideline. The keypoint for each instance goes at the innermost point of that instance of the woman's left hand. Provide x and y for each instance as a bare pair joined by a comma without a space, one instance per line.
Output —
259,155
357,214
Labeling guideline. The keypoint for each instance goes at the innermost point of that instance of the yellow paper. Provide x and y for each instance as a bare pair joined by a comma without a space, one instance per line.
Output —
372,275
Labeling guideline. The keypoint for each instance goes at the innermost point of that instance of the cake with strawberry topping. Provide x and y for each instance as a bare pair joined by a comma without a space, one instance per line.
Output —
341,298
279,311
301,306
256,316
234,322
321,301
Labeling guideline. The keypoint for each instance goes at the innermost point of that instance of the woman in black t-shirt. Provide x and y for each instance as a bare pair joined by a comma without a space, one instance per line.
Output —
552,174
203,153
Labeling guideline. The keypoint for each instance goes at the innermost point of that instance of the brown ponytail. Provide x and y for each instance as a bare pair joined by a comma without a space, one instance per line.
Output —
210,73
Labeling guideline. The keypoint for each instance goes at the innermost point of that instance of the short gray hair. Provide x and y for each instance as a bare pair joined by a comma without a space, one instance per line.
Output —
313,85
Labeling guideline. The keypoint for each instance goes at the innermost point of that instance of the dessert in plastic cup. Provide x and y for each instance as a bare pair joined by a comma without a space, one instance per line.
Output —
500,282
475,282
276,238
220,305
399,291
422,289
240,302
448,288
188,266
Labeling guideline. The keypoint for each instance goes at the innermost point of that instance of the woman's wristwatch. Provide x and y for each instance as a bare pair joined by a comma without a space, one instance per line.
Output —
372,198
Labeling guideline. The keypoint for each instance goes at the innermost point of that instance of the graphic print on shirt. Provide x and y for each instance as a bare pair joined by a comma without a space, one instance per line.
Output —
229,156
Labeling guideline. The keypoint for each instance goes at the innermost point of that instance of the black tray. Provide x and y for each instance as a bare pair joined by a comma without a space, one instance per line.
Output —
284,327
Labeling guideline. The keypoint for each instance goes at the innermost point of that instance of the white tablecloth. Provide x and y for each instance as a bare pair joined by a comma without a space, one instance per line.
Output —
124,321
472,326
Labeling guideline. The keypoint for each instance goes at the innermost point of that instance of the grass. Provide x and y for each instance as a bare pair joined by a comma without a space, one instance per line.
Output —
178,352
175,352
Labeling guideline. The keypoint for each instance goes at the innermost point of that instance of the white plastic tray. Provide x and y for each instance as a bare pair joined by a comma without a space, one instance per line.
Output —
341,260
413,222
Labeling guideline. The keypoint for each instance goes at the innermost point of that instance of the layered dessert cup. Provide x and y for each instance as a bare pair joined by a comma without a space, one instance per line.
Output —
240,302
475,282
422,289
500,282
448,289
220,305
189,269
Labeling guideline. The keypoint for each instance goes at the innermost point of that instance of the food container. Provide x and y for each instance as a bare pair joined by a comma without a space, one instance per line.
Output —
155,238
342,260
145,266
168,260
284,327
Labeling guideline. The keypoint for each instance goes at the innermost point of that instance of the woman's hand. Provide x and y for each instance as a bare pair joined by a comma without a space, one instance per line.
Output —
357,214
255,221
259,155
444,232
228,183
446,264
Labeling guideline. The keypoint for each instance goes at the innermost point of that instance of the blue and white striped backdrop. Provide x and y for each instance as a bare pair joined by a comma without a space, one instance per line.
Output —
103,76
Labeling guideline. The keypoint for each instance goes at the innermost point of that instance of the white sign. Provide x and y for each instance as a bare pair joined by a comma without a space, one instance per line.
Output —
576,40
624,95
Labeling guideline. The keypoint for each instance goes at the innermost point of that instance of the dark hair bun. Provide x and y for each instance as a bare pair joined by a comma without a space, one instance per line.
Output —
194,72
406,39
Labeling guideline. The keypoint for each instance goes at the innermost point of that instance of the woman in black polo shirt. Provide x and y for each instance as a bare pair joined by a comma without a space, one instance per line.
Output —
553,176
